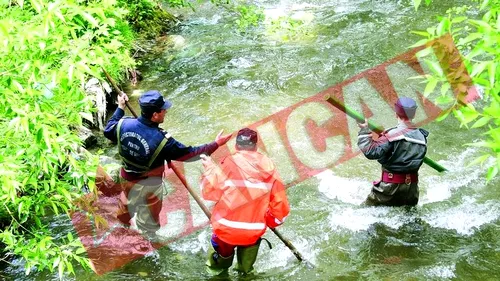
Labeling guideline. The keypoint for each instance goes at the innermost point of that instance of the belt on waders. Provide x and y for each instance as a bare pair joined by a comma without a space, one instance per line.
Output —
399,178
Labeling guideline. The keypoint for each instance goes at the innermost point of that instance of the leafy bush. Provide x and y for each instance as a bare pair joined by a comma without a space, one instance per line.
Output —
48,51
147,17
478,40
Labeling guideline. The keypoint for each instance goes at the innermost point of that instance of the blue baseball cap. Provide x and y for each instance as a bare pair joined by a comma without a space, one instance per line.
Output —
153,101
405,107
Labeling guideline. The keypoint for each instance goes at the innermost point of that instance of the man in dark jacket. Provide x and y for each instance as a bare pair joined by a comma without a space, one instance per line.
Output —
144,148
401,151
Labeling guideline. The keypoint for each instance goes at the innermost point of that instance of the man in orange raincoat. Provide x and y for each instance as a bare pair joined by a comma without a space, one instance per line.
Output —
250,197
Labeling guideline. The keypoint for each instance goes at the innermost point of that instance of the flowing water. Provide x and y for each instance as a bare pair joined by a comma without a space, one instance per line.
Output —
220,78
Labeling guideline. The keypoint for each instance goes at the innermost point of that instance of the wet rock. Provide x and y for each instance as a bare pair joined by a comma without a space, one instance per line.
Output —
163,43
97,93
86,135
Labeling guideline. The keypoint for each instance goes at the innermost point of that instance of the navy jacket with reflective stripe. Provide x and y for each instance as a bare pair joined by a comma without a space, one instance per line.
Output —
139,139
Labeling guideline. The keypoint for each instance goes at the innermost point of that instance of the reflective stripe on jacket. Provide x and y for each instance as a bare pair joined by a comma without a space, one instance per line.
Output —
249,194
400,149
144,147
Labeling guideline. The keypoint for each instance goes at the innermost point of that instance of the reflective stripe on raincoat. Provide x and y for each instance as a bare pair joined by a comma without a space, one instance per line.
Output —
249,194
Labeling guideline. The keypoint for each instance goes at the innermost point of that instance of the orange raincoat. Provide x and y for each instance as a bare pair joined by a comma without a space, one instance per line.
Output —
249,194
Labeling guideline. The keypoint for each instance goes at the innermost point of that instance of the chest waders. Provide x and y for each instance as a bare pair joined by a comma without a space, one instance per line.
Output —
143,199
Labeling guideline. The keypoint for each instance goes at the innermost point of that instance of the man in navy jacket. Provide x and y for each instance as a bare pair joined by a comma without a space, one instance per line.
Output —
144,148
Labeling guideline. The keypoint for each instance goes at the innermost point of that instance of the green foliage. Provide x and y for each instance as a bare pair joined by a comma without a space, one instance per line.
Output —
417,3
248,16
147,17
48,50
179,4
286,28
478,40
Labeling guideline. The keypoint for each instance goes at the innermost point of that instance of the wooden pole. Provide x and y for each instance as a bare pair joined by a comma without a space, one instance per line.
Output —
377,129
208,214
120,92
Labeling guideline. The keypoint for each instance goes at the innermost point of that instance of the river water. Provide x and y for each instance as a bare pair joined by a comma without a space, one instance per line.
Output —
219,78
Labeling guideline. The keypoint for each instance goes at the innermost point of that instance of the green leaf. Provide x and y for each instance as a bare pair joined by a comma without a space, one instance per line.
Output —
484,4
80,250
458,19
481,122
39,136
69,266
480,23
434,67
444,88
54,207
431,85
36,5
70,72
469,114
421,33
478,160
19,87
478,68
492,172
444,100
60,15
420,43
90,19
443,115
478,50
19,209
56,262
471,37
46,135
443,27
491,72
61,270
424,52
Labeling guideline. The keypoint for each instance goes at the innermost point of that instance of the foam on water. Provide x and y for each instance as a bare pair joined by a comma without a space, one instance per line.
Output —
358,219
466,217
193,243
440,187
280,256
241,62
347,190
440,271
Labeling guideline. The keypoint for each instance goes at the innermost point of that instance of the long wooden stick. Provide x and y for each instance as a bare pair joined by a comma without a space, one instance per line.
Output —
208,214
118,90
377,129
